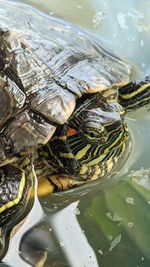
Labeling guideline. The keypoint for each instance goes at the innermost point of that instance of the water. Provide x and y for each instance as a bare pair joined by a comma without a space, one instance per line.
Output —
104,223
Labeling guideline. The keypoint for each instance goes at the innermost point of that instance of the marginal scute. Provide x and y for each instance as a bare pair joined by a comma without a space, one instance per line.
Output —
55,103
28,130
89,74
11,98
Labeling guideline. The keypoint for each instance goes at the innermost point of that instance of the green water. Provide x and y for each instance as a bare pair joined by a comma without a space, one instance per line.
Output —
106,223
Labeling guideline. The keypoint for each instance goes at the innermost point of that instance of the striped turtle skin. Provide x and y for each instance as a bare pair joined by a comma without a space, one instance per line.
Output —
135,94
89,145
57,84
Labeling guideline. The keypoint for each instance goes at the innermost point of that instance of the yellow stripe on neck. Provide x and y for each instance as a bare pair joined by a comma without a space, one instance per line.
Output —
97,160
138,91
82,152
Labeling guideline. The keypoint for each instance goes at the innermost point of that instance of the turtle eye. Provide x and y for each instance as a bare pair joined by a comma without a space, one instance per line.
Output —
94,135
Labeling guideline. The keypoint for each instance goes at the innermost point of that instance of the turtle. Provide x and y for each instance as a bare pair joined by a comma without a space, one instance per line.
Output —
63,99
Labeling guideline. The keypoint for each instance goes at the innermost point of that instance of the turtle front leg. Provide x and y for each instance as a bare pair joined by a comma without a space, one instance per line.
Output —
135,94
56,183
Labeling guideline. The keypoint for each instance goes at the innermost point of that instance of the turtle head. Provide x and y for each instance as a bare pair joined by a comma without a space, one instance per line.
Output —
92,140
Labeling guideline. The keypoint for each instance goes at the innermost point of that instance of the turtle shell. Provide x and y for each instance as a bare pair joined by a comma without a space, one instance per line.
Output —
45,65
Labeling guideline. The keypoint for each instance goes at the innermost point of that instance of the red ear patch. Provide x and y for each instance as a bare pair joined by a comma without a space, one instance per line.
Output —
71,132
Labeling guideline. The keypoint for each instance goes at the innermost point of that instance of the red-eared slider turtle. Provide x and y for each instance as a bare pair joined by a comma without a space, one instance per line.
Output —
48,72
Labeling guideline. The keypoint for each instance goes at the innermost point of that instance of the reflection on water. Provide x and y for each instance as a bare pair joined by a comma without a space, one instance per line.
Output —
130,24
117,216
72,238
103,224
33,218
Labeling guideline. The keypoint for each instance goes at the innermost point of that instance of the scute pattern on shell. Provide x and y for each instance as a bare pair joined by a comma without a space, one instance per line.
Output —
45,65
